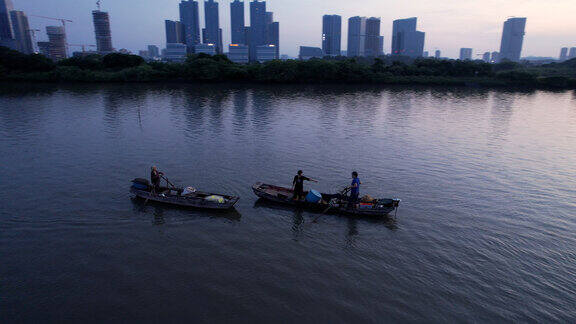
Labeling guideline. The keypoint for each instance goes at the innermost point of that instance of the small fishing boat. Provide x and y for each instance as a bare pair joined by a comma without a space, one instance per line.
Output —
185,197
327,203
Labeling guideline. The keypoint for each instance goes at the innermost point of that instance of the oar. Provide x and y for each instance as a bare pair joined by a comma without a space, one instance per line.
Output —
322,214
168,182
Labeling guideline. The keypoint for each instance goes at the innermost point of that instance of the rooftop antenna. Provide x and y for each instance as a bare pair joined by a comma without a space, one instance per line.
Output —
98,4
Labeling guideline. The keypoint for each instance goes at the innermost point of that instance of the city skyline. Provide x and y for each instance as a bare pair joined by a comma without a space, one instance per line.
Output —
306,29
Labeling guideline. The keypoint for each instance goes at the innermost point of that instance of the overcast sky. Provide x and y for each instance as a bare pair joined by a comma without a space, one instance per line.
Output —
449,24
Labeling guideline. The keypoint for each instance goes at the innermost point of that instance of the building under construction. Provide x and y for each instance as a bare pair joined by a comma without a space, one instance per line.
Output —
57,39
102,31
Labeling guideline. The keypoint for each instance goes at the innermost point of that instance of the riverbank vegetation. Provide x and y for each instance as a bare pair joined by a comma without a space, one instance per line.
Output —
116,67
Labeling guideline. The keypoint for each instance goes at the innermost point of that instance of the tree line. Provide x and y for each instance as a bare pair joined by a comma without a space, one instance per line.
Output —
116,67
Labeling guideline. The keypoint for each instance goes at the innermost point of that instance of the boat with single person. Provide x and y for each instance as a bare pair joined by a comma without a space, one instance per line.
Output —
327,203
185,197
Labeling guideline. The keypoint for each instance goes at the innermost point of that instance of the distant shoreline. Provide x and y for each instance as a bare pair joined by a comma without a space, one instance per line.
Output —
202,68
487,83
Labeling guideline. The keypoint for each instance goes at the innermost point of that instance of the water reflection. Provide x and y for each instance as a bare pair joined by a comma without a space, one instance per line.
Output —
240,102
500,118
119,101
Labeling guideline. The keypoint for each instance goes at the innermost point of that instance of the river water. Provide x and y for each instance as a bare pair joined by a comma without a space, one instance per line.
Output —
486,231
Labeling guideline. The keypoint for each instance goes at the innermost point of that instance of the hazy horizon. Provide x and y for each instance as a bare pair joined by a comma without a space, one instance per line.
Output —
449,25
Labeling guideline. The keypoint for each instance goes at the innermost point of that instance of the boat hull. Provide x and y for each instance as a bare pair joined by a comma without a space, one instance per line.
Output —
283,196
186,201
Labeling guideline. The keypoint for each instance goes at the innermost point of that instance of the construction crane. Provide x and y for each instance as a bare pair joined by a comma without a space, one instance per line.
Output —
98,4
62,20
83,46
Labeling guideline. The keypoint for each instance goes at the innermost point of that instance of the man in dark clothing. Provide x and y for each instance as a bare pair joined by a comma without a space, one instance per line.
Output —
155,177
298,185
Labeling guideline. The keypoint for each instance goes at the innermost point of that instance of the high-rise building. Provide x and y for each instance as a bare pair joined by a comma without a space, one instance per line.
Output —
239,53
374,44
331,35
238,25
265,53
307,52
258,30
175,52
153,51
572,53
209,49
273,31
175,32
486,57
189,17
512,39
494,56
58,43
44,48
356,36
425,54
438,54
102,31
212,34
22,33
465,54
563,53
6,30
406,40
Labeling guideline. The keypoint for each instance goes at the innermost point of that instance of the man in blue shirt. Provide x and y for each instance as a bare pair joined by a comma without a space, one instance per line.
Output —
354,188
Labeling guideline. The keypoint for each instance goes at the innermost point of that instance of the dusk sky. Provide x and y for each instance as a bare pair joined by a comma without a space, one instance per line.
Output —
449,24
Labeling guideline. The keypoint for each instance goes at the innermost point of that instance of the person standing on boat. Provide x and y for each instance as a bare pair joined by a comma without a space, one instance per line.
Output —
354,188
155,177
298,185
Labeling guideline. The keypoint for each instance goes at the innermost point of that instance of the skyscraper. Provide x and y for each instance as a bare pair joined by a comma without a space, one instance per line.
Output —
274,36
189,17
563,53
258,30
437,54
331,35
466,54
174,32
22,33
356,36
6,29
102,31
212,34
238,24
572,53
44,48
374,42
406,40
153,51
512,39
57,39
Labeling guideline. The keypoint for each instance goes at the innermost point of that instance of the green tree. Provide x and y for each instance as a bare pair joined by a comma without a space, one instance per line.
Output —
118,61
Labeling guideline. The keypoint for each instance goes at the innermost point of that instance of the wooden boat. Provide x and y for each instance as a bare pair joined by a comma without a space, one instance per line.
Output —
331,203
141,188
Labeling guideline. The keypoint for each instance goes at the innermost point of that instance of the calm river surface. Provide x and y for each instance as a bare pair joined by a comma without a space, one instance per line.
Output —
486,231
